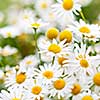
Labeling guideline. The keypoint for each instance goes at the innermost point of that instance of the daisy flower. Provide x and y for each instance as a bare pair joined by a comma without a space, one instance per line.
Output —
80,84
83,61
66,34
90,31
9,31
27,14
12,95
65,8
52,33
8,50
29,61
43,6
54,48
87,95
47,73
38,24
17,79
61,87
95,80
36,90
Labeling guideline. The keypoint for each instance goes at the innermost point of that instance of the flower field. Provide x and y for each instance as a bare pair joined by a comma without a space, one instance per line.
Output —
49,50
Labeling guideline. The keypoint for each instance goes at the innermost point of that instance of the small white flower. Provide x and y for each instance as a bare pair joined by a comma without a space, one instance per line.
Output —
8,50
12,95
36,90
9,31
47,73
29,62
90,31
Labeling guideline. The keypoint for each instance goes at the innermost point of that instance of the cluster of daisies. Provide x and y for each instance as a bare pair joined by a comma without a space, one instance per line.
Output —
66,63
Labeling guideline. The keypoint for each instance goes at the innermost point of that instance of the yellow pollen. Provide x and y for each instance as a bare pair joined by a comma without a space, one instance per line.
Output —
54,48
76,89
36,90
52,33
96,79
48,74
59,84
84,63
35,25
87,98
20,78
15,99
68,4
61,59
66,35
44,5
84,29
29,62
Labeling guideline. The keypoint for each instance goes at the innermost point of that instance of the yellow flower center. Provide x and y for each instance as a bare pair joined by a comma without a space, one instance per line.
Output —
52,33
29,62
25,16
68,4
84,29
96,79
15,99
59,84
76,89
36,90
44,5
35,25
20,78
54,48
66,35
87,98
61,59
84,63
8,34
48,74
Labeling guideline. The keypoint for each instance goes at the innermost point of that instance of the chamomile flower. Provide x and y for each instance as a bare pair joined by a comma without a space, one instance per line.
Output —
83,61
12,95
43,6
52,33
80,85
66,34
90,31
29,61
17,79
66,8
88,95
54,48
47,73
27,14
95,80
9,31
36,90
60,87
8,50
65,63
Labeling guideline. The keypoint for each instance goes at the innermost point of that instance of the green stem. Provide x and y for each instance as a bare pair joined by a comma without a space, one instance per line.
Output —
36,46
83,17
